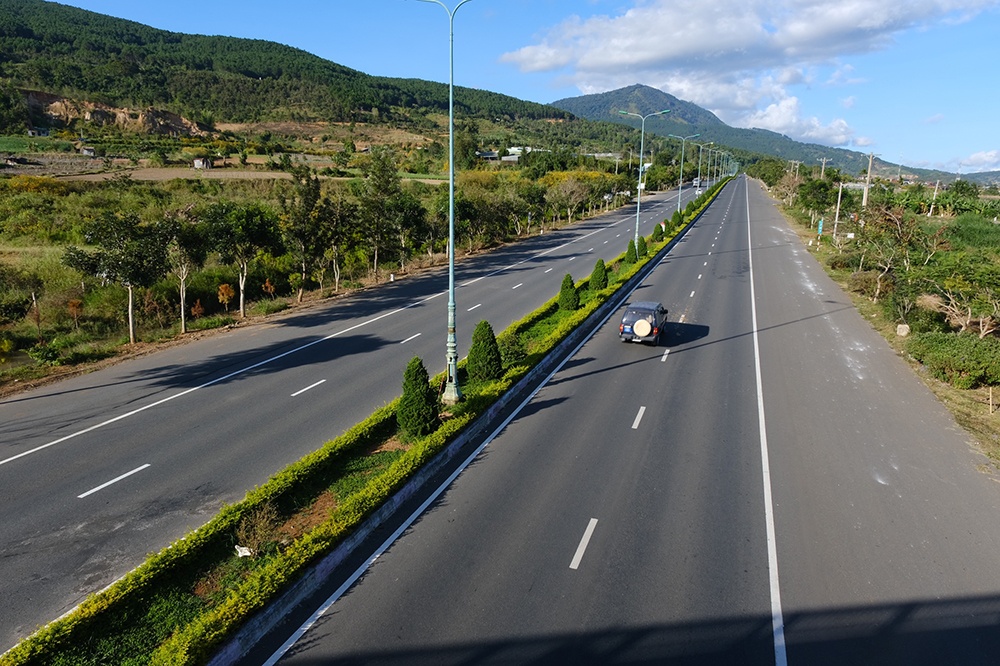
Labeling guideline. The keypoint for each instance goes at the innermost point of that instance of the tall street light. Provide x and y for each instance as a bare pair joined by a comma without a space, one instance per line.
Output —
642,147
700,146
452,393
680,184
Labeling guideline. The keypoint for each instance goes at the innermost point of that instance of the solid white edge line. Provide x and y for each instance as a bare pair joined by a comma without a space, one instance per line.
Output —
311,386
114,480
339,592
412,337
638,417
777,619
584,542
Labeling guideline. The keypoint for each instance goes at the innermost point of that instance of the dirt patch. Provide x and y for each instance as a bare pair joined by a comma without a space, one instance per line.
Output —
306,519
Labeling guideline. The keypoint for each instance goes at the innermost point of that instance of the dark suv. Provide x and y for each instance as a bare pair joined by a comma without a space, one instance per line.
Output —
643,321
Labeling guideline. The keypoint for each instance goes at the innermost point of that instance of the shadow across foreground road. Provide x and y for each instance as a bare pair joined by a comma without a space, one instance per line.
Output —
961,631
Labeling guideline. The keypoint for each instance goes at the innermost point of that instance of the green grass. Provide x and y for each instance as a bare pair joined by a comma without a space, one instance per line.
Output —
31,144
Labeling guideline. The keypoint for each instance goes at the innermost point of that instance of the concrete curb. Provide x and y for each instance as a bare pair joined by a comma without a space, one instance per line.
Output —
316,576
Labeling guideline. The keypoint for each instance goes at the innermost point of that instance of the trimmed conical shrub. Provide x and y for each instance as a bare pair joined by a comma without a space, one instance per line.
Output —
568,298
657,234
485,362
641,249
630,256
599,277
417,413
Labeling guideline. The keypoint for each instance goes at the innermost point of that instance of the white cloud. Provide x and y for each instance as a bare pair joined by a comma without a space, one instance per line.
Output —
848,102
936,118
786,117
737,58
986,160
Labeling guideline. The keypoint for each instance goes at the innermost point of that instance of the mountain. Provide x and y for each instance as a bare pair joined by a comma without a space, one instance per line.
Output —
686,118
75,53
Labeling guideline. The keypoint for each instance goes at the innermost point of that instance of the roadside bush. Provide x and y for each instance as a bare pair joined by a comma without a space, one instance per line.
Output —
512,348
922,320
657,234
844,261
630,253
863,282
641,250
599,276
418,408
964,361
485,362
568,298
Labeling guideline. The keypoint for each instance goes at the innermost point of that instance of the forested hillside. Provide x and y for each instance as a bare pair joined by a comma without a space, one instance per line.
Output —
76,53
686,119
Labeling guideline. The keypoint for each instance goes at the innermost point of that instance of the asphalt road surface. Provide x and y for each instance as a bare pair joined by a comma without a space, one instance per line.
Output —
770,485
100,470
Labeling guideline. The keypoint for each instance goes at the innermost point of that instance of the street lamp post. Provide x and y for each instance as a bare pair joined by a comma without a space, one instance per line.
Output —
680,184
452,394
700,146
642,147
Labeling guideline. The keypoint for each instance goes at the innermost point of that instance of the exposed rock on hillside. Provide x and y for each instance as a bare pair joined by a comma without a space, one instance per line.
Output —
62,111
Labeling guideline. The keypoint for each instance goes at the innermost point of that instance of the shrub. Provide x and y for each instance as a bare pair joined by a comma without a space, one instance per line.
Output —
485,362
844,261
418,408
657,234
568,298
599,276
923,320
641,250
630,255
964,361
512,348
863,282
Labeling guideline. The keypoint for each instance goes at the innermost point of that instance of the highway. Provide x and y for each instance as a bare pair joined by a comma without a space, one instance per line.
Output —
99,470
770,486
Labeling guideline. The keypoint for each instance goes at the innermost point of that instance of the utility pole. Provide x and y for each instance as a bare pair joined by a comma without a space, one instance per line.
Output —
934,198
836,217
868,180
822,169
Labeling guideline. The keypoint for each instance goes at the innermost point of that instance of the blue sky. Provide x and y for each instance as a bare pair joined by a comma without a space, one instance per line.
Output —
911,80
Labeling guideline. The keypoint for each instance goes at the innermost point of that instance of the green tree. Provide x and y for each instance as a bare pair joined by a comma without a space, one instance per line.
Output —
641,250
187,250
302,222
485,362
240,233
128,253
13,110
379,194
418,409
599,276
569,299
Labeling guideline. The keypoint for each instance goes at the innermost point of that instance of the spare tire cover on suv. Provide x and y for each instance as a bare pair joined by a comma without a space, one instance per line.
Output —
642,328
